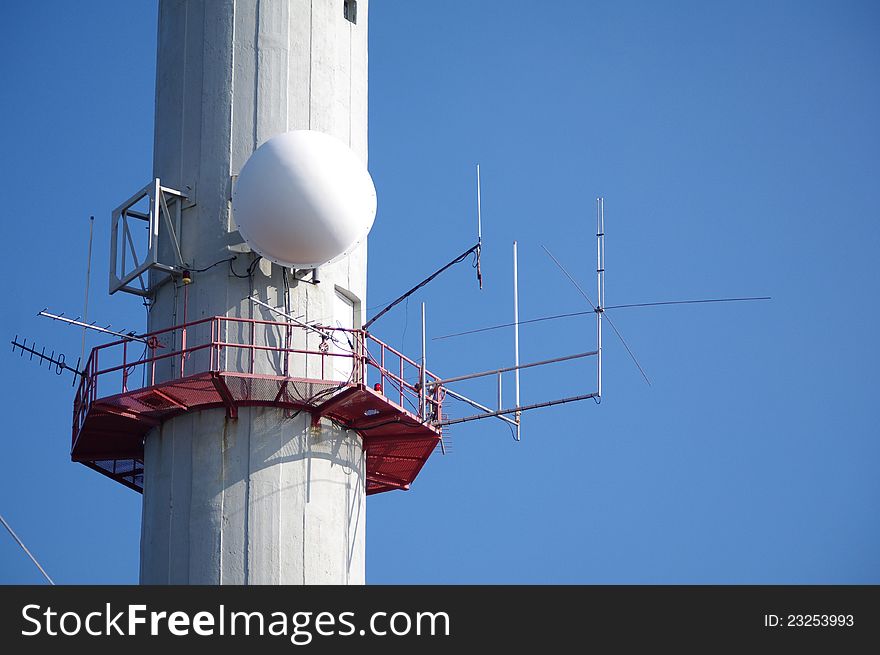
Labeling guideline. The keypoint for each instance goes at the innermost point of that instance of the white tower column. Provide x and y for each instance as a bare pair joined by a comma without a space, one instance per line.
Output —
260,499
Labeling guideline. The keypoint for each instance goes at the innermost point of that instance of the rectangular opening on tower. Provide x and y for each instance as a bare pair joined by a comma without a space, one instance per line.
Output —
350,11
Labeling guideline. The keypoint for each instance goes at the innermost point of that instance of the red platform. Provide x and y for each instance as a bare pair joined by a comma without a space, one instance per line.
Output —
109,428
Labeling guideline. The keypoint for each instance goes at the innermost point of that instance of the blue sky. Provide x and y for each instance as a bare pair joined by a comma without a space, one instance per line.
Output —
738,149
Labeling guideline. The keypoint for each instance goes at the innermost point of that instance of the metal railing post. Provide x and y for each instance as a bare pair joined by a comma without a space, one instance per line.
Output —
382,367
400,379
253,343
124,366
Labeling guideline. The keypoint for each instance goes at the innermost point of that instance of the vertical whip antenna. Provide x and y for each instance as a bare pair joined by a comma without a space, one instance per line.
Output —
479,211
423,408
82,354
600,288
516,336
479,230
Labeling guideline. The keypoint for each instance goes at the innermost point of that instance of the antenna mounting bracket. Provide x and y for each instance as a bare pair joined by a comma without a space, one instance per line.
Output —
160,208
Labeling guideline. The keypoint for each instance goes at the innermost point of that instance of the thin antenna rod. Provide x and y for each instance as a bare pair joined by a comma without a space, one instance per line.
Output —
423,408
610,322
513,410
507,325
600,274
592,311
628,349
516,336
24,548
82,354
389,306
570,278
479,250
687,302
479,212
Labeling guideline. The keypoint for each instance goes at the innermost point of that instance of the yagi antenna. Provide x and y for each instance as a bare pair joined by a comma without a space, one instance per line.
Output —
323,333
128,336
58,362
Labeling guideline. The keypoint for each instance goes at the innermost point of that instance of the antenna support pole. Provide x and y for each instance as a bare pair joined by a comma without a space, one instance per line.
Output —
82,354
516,336
600,288
479,214
423,409
25,549
479,250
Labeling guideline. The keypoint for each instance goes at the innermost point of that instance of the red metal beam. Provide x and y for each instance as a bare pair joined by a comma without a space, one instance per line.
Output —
113,476
403,458
171,399
281,389
325,408
124,413
228,400
388,481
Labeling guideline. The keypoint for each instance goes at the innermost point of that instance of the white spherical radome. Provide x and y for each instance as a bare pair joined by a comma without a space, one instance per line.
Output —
303,199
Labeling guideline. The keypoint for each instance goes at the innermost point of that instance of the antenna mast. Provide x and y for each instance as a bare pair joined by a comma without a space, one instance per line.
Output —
82,354
479,213
423,409
600,288
516,337
479,231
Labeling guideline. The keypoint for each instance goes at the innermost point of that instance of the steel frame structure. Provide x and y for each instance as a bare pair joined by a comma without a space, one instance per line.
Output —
165,207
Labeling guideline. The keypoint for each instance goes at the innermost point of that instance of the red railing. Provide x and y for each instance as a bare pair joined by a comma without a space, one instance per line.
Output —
253,348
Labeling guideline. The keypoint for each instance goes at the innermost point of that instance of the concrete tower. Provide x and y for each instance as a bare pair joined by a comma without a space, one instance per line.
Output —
262,498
